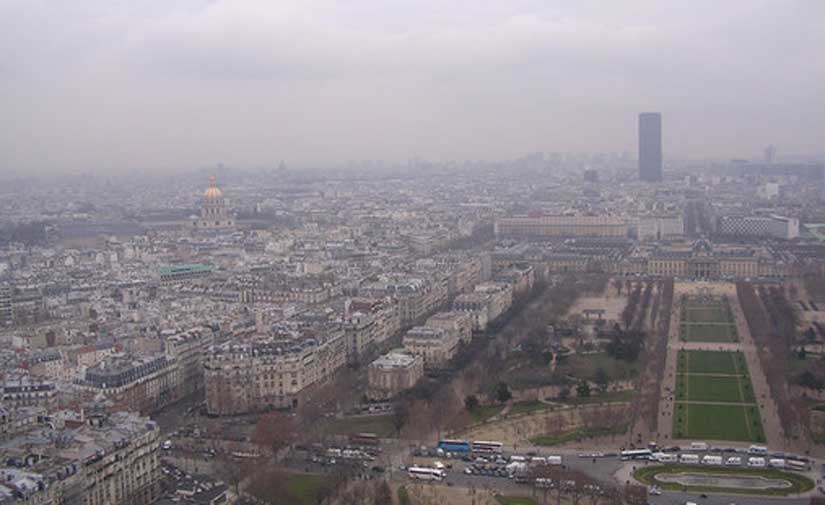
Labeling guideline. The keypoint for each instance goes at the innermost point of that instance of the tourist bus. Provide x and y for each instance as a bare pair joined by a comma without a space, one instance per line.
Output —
482,447
461,446
712,460
245,455
795,464
424,473
689,459
756,462
636,454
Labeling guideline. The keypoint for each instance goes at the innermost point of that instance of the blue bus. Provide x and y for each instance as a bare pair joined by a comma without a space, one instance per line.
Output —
461,446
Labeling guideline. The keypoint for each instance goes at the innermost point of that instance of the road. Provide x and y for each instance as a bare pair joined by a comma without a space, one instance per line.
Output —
679,498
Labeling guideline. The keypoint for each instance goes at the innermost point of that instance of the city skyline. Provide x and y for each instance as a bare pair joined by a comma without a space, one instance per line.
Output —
106,87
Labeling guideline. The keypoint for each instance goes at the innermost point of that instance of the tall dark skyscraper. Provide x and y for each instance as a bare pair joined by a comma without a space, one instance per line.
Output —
650,146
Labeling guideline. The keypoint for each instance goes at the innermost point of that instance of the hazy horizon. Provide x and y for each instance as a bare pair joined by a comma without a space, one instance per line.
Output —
118,86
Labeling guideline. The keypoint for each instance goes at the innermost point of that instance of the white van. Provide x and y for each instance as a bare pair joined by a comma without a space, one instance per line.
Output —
756,462
757,450
553,460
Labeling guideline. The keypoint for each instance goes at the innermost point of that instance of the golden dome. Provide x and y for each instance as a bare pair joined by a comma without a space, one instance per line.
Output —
213,193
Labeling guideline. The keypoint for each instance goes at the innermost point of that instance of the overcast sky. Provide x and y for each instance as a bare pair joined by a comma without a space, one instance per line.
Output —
114,85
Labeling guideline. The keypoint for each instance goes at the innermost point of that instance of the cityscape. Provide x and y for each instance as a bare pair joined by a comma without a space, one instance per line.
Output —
603,326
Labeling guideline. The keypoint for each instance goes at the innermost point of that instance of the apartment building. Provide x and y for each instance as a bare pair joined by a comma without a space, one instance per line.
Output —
393,373
268,372
98,460
135,383
435,346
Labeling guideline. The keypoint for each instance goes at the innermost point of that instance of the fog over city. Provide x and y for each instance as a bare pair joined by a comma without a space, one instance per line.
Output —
110,87
277,252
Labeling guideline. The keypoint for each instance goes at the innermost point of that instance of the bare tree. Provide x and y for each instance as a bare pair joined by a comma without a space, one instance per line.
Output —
274,431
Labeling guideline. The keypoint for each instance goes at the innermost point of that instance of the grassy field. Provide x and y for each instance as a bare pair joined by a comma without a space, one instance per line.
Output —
613,396
584,366
708,332
515,500
713,362
485,412
298,489
304,487
527,407
712,379
800,483
403,496
715,313
710,321
718,422
708,388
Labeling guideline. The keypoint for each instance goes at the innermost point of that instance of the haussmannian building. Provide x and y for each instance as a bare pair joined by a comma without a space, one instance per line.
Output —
393,373
268,373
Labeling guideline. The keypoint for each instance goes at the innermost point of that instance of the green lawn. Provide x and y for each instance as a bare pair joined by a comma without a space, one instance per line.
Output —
800,483
719,362
708,388
403,496
708,332
708,314
528,406
718,422
515,500
584,366
484,412
613,396
298,489
304,487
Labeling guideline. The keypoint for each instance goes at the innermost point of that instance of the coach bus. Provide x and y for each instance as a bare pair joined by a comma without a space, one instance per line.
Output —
636,454
487,447
795,464
461,446
424,473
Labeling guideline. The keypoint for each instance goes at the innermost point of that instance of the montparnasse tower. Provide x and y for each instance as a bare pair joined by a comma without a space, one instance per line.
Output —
213,212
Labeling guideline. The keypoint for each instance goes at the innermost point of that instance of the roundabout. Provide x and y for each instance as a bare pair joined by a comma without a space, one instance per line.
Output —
760,481
693,479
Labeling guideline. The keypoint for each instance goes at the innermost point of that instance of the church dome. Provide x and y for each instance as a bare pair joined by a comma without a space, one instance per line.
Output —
213,193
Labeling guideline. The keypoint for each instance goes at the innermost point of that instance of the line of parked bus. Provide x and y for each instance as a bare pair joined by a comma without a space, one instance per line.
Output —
465,447
756,458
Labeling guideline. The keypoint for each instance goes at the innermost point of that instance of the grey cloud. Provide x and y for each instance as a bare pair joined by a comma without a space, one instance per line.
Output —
137,84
